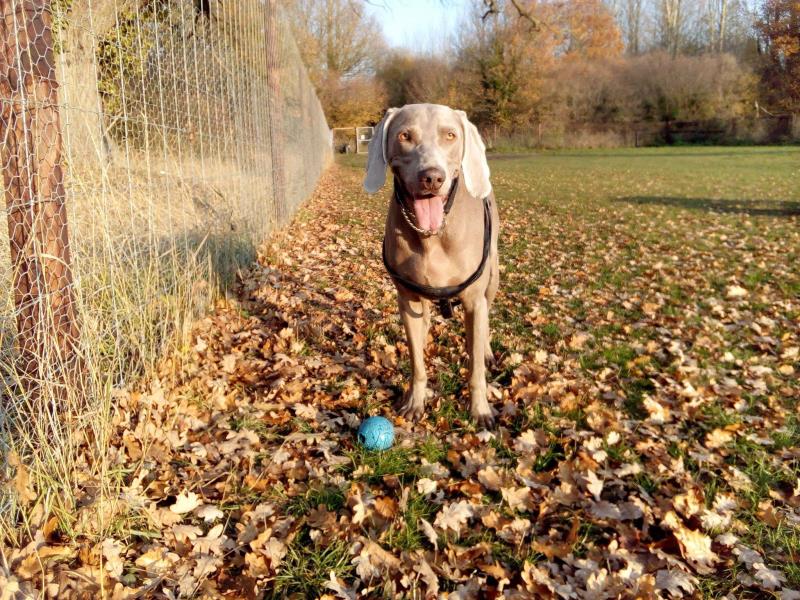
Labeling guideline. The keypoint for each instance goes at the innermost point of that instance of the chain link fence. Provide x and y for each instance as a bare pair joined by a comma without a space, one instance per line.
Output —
146,148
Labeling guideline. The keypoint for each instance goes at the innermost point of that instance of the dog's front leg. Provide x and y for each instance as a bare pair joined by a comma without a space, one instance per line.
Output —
476,316
416,318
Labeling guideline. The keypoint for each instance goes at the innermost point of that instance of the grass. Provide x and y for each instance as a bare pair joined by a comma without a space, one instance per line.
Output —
406,534
147,261
306,568
374,466
331,497
589,237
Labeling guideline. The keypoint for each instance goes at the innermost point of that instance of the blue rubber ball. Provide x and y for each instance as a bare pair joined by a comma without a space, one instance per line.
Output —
376,433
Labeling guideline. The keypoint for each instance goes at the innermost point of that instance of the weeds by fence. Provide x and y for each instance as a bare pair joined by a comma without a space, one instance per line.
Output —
175,135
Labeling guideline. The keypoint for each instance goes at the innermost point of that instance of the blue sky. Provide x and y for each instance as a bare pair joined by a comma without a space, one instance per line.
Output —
418,24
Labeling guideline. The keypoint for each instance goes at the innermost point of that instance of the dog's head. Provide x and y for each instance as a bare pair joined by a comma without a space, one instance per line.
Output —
427,146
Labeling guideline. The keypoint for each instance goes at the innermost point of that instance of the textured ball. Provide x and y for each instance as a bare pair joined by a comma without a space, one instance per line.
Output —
376,433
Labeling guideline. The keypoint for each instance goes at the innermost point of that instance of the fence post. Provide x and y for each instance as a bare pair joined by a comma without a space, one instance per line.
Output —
33,181
275,100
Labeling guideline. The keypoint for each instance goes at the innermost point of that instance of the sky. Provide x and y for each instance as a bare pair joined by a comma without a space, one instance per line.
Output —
420,25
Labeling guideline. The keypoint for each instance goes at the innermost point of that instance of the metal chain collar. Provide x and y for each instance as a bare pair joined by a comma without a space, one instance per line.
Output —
423,232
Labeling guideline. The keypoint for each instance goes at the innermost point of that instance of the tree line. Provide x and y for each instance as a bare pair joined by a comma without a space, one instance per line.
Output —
513,64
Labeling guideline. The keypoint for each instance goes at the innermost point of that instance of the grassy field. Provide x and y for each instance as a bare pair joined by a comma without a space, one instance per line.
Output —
647,333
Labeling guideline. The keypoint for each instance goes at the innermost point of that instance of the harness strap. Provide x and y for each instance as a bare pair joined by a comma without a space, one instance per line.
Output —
444,294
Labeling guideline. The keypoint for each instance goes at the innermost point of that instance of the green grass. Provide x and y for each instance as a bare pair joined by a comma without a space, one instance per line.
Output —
306,568
636,248
374,466
405,533
332,498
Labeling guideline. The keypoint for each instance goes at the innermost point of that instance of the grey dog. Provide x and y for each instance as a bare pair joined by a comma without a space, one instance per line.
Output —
441,235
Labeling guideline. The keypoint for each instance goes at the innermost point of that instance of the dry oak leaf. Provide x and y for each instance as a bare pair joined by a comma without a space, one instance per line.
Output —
718,438
657,412
695,546
690,503
209,512
206,565
340,589
111,550
426,486
430,533
386,507
593,484
519,498
768,578
578,340
22,480
185,502
429,577
373,561
490,478
454,516
156,560
360,503
735,291
677,583
186,533
767,514
529,441
625,511
515,531
274,550
229,363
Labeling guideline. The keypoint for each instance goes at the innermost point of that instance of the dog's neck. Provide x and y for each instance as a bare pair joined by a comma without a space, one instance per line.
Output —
461,208
440,260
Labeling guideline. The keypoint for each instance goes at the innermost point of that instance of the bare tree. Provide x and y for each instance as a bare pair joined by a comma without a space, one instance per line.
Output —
84,22
337,38
632,25
495,7
670,23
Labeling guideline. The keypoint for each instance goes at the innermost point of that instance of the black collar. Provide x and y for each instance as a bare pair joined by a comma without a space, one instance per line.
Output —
444,295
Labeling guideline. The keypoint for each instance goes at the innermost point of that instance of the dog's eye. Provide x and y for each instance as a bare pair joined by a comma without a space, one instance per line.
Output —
451,135
403,137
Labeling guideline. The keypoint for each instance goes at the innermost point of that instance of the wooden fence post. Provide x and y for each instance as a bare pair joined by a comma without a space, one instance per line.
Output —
33,181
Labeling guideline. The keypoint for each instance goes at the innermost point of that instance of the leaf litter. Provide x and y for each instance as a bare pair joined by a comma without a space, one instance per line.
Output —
647,442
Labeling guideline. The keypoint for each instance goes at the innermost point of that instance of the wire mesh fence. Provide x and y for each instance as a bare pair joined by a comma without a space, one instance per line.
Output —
147,147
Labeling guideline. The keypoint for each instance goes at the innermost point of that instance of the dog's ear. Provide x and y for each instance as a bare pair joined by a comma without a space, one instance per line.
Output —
376,159
474,167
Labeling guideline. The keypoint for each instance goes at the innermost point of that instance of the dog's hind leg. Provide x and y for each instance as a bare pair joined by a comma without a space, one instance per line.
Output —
415,314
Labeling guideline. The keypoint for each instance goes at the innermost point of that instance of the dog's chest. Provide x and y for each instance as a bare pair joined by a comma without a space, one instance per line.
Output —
431,261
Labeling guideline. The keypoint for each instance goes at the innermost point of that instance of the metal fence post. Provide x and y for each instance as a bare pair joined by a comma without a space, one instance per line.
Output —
33,180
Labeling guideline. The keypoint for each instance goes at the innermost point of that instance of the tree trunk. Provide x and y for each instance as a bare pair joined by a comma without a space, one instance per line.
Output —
30,152
723,23
87,143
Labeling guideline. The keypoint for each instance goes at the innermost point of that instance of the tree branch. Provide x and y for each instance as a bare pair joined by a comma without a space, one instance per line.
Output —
492,8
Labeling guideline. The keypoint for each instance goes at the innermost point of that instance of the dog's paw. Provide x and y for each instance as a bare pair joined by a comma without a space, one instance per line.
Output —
483,414
411,408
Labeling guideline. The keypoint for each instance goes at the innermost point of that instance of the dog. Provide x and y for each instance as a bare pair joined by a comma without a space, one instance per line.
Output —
441,233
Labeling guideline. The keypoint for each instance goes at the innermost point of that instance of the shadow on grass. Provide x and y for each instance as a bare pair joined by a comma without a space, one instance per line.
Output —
226,253
767,208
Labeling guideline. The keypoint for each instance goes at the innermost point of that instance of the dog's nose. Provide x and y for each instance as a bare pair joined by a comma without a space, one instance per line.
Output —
431,179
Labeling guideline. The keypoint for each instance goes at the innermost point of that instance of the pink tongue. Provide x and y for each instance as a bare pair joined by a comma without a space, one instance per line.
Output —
429,212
